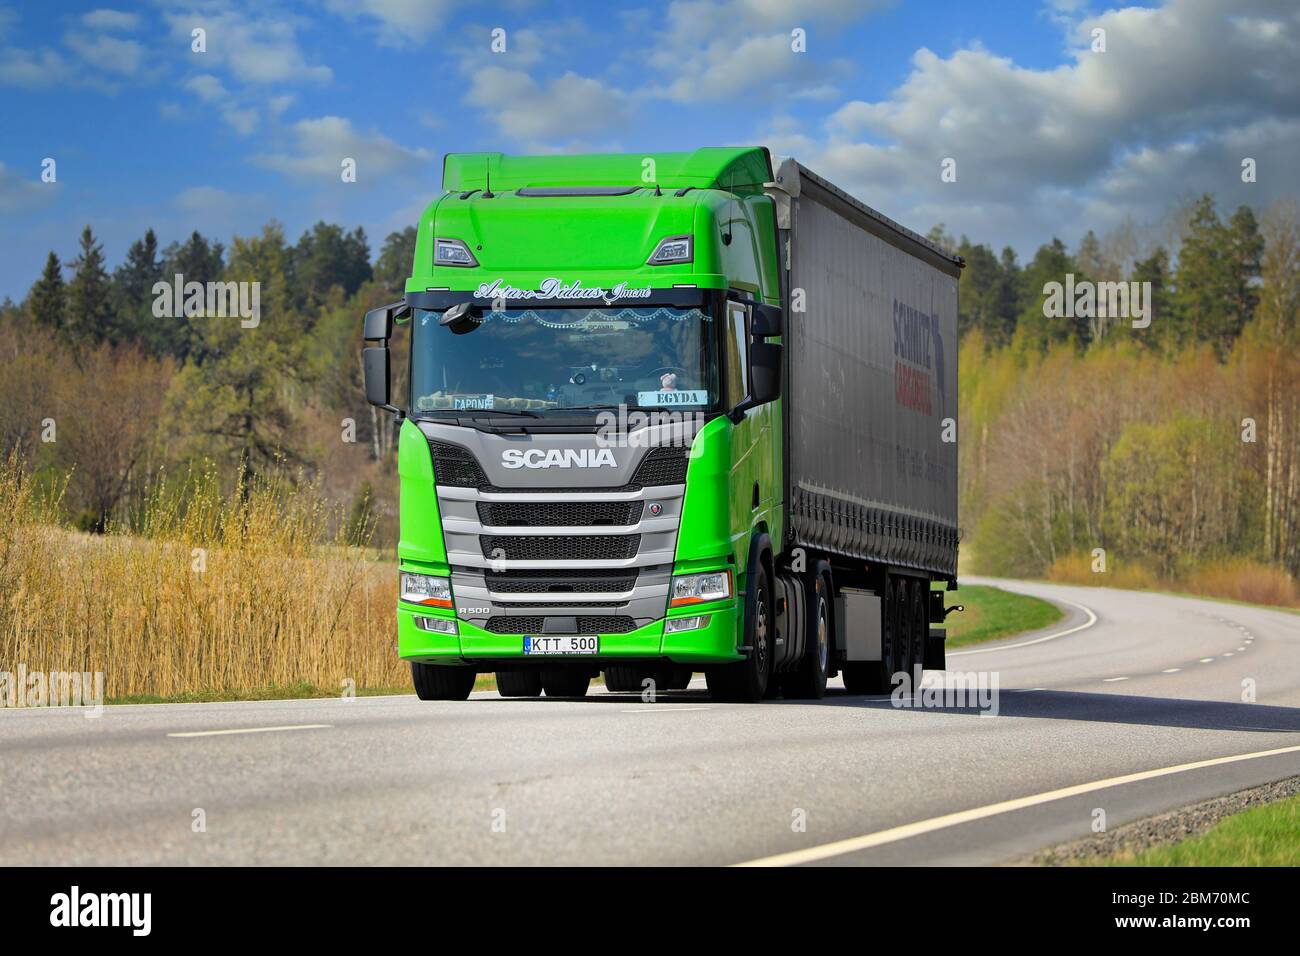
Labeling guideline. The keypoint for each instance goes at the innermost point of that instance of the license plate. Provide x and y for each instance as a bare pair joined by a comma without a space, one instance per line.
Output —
562,644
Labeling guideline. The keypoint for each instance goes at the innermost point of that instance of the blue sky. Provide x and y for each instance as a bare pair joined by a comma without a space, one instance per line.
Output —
1049,135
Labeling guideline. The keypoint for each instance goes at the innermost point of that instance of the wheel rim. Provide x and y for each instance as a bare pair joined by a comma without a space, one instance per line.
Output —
760,632
823,645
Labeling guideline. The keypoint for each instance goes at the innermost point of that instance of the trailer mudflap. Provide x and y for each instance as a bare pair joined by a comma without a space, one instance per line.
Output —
935,643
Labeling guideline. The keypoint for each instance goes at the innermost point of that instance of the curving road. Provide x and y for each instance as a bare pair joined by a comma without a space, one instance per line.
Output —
1090,719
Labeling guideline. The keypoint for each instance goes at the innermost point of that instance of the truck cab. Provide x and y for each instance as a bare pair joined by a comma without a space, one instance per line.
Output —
590,446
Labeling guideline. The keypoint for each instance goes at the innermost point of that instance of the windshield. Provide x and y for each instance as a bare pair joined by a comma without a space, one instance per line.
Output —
535,359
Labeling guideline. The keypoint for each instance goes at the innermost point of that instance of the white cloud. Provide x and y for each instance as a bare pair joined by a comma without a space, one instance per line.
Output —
525,110
106,53
1181,94
34,69
401,22
322,144
255,49
715,50
109,20
207,88
22,193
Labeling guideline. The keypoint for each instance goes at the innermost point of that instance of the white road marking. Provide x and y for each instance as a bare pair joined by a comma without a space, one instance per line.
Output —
1111,680
1092,619
1229,654
1241,649
1207,660
662,709
1171,670
894,834
248,730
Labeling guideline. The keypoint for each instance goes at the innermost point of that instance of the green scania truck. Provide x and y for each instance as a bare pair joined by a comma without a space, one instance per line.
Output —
670,413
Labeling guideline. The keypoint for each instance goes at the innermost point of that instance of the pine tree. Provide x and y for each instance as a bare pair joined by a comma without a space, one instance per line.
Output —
133,285
48,300
1035,328
1204,283
91,317
1161,332
395,259
1245,247
1008,295
195,260
238,403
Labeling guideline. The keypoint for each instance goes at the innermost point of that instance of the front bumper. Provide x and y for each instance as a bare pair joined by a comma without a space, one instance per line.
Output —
715,643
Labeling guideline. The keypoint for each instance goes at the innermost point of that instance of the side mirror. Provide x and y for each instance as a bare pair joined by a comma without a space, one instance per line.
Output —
764,372
375,363
379,322
764,378
765,320
378,327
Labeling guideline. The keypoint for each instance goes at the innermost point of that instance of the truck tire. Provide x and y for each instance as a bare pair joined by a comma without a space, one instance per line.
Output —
919,620
808,682
442,682
566,683
745,682
519,683
679,678
623,679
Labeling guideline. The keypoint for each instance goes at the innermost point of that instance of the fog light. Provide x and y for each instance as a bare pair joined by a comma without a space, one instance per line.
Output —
438,625
675,625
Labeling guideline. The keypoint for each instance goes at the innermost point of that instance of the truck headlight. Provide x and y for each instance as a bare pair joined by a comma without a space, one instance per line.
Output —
452,252
426,589
698,588
671,250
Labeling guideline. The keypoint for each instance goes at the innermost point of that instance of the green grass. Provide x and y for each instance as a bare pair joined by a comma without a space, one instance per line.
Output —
1262,836
992,613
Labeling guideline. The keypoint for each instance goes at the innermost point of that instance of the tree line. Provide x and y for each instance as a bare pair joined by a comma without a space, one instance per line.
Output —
1169,447
97,388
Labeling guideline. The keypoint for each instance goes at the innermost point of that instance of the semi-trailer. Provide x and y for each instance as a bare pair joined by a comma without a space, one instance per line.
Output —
670,413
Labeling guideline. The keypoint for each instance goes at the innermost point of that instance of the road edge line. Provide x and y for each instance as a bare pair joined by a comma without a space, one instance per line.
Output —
921,827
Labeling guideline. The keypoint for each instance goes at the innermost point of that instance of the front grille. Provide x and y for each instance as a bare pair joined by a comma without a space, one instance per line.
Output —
560,547
601,580
662,466
552,605
559,513
587,624
454,466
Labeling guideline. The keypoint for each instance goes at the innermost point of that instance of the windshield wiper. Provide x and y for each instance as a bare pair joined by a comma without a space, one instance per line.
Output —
485,412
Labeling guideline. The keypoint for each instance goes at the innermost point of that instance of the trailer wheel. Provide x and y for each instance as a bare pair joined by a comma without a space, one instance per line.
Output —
746,681
442,682
519,683
919,621
566,683
809,680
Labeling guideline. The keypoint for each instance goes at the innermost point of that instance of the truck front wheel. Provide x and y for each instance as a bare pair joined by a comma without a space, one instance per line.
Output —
441,682
746,681
809,681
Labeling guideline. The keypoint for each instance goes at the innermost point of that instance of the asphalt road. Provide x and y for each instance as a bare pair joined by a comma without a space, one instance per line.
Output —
1155,682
